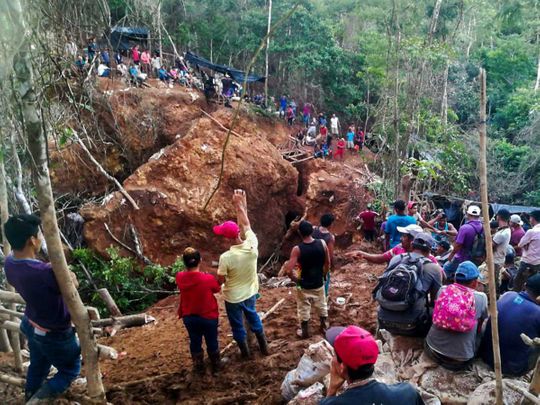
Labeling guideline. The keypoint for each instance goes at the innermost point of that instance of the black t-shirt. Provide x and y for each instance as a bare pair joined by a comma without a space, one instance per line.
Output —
312,256
376,393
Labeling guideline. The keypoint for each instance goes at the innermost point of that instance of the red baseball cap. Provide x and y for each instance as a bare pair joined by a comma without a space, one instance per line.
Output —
228,229
355,346
411,204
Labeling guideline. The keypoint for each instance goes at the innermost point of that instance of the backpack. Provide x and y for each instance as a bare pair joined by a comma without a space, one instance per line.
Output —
455,309
400,287
478,248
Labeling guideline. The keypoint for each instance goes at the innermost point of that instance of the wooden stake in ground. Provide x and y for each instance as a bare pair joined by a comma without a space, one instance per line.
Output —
489,245
37,143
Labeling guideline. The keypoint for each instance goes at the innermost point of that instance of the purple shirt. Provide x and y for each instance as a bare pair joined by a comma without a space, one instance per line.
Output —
35,281
465,238
517,234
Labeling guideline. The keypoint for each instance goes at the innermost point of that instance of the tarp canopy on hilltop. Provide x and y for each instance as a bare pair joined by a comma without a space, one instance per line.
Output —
236,74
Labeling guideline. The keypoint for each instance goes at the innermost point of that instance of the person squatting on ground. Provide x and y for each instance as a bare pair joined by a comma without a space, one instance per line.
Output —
407,289
458,316
237,272
199,310
46,322
355,355
313,259
530,246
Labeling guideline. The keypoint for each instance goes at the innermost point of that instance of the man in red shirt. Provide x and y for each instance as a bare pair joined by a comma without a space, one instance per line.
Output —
199,310
367,219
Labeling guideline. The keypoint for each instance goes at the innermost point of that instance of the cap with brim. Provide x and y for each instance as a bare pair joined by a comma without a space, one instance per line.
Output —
228,229
474,210
424,239
467,271
516,219
411,229
355,346
411,204
533,284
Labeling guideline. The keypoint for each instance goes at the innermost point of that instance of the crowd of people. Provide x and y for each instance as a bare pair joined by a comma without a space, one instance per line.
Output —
433,287
320,134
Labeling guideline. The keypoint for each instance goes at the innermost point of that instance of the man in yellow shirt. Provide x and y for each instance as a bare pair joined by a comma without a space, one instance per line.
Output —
238,273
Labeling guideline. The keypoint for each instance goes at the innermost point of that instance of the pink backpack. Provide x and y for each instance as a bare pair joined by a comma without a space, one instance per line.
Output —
455,309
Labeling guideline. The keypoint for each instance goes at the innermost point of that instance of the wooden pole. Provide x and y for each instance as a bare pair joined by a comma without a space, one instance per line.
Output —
5,345
534,386
267,48
30,106
8,379
489,245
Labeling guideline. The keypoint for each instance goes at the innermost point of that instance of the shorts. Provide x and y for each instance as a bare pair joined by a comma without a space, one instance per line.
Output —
350,145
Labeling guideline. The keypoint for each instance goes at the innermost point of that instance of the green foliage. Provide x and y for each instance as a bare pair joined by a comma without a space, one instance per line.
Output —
514,115
133,287
423,170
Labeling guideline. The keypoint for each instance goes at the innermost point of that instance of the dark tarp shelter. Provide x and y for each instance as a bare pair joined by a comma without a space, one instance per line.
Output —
236,74
452,207
125,38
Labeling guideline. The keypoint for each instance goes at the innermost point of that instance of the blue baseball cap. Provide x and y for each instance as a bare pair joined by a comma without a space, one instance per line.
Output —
467,271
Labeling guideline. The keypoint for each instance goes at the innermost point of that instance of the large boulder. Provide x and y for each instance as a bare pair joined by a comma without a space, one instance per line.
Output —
172,188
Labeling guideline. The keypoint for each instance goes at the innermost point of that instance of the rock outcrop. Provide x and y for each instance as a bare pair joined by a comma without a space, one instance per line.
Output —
173,186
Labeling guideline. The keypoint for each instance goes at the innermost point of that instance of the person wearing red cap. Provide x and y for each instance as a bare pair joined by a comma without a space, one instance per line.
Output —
355,355
237,272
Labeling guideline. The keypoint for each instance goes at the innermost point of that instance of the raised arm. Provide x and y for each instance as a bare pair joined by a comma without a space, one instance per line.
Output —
240,203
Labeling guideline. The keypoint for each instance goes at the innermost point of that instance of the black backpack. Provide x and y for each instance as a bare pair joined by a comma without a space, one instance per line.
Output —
478,248
400,286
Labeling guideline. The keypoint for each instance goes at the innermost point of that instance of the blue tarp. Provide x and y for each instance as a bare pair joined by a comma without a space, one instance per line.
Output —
124,38
236,74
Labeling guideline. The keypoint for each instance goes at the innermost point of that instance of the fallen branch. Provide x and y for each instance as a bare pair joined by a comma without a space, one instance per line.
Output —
104,172
128,248
109,302
126,321
265,315
8,379
12,297
107,352
524,392
11,326
11,312
138,245
219,123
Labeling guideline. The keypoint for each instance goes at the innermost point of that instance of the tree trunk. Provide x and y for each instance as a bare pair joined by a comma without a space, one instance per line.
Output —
37,143
537,83
267,48
444,103
4,341
489,246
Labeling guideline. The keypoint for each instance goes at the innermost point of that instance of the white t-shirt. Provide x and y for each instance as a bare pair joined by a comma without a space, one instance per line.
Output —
502,239
334,122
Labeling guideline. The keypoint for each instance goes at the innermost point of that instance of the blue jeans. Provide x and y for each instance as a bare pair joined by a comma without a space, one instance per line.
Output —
235,312
197,327
327,284
59,349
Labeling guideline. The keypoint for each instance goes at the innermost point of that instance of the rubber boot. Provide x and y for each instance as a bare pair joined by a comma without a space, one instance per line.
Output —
304,325
244,349
215,362
324,325
198,363
263,344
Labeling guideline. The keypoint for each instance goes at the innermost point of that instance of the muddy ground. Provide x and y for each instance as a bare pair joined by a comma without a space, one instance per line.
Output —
157,366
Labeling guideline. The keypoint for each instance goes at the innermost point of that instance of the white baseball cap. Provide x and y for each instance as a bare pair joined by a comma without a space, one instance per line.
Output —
411,229
474,210
516,219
